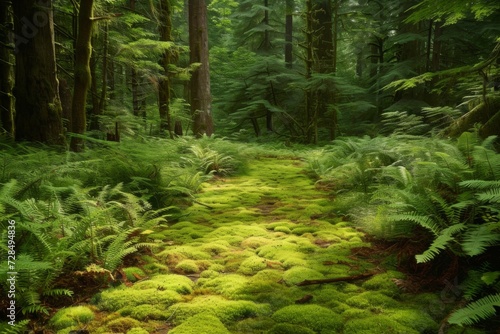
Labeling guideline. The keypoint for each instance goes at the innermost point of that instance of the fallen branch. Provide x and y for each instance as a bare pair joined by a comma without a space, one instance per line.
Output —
333,280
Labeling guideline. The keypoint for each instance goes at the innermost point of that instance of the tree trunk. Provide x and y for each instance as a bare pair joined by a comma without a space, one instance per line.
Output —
6,71
165,30
38,107
310,121
83,52
289,33
200,79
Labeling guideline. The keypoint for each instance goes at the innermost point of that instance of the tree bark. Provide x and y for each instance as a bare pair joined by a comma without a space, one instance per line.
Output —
38,106
165,30
200,97
83,52
289,33
6,71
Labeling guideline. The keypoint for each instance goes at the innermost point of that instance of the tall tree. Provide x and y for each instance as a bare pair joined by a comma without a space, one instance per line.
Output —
38,106
200,96
289,33
83,52
165,30
6,70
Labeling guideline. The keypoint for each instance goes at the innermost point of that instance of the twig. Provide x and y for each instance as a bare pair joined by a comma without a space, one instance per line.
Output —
333,280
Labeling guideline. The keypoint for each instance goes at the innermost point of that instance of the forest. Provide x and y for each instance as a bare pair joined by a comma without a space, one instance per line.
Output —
249,166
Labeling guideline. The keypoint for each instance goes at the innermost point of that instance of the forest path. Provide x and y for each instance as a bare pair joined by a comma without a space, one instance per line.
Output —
233,264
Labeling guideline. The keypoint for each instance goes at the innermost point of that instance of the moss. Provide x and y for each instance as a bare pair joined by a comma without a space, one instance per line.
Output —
299,274
255,242
225,310
283,229
201,323
137,330
376,324
217,267
133,273
121,325
178,283
372,299
144,311
289,329
252,265
187,266
416,319
175,254
230,286
384,283
72,316
252,325
115,299
216,247
315,317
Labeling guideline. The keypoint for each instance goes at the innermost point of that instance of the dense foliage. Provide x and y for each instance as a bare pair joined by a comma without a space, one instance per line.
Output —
107,111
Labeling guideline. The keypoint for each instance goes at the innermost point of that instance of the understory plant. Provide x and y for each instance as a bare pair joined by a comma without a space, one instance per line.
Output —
443,191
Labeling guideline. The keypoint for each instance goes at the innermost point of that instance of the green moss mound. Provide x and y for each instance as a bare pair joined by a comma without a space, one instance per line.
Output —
201,323
137,330
72,316
299,274
252,265
225,310
315,317
178,283
122,325
133,273
290,329
376,324
115,299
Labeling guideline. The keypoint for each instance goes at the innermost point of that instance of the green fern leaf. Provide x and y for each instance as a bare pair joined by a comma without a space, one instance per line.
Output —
474,312
440,243
478,238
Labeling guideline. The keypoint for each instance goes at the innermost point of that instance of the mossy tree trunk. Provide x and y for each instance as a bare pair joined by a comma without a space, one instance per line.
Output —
6,71
38,106
83,52
200,96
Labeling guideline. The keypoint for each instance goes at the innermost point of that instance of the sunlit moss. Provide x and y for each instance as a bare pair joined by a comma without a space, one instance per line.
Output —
114,299
121,325
226,310
133,273
289,329
315,317
378,323
187,266
137,330
298,274
175,254
255,242
215,247
201,323
372,299
144,311
283,229
252,325
252,265
178,283
230,286
72,316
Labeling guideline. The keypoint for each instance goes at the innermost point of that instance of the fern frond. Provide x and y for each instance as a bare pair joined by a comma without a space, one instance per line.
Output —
440,243
476,311
478,238
418,219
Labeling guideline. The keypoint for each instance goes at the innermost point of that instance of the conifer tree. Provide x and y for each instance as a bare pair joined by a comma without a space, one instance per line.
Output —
38,106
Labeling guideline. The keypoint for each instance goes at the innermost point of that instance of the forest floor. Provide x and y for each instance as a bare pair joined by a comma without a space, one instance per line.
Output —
235,261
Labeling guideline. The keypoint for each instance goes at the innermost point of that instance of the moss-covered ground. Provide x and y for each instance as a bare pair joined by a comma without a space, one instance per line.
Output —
232,265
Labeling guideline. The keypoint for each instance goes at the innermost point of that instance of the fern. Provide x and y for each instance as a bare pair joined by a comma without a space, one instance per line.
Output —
476,311
477,239
440,243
